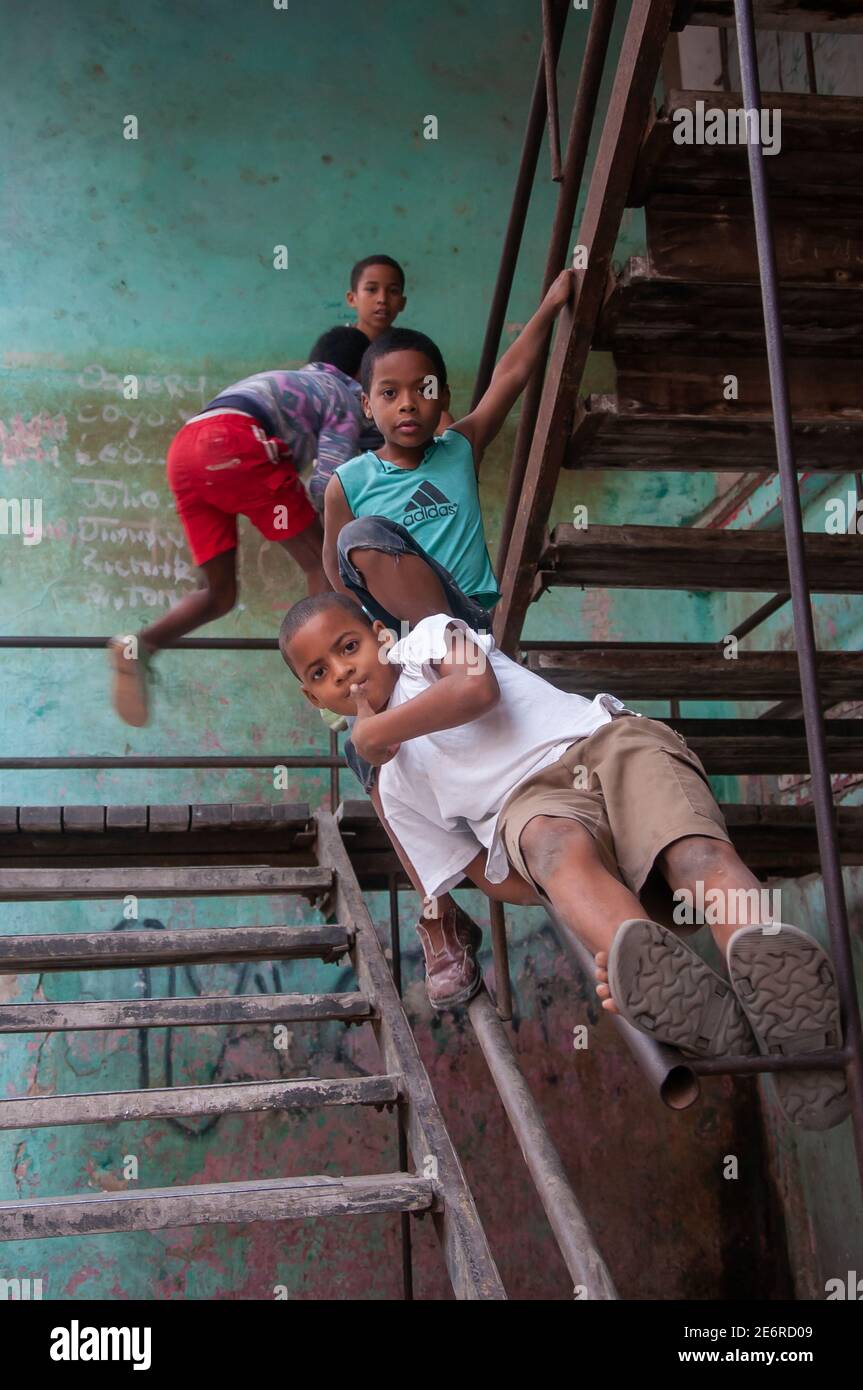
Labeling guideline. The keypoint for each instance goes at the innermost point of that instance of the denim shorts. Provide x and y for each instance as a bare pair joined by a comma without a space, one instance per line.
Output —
379,533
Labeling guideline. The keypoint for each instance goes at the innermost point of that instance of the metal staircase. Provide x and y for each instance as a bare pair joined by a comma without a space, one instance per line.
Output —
753,268
327,881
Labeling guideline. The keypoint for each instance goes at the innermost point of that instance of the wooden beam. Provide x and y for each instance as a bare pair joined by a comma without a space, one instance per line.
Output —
123,950
647,313
182,1013
732,747
689,558
821,147
53,885
628,110
633,671
807,17
772,839
232,1098
712,237
626,433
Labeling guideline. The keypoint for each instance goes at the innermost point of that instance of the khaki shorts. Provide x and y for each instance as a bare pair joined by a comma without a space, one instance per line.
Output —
634,784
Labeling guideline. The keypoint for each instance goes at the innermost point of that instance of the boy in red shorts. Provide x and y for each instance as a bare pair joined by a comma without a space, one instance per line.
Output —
242,457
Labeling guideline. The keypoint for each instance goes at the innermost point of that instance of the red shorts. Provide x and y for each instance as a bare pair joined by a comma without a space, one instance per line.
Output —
224,466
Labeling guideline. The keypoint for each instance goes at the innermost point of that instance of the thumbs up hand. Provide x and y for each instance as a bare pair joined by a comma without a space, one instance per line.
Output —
364,730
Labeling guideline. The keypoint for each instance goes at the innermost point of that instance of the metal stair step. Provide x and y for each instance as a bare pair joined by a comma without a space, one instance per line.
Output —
182,1013
232,1098
120,950
161,1208
51,885
648,671
692,558
609,433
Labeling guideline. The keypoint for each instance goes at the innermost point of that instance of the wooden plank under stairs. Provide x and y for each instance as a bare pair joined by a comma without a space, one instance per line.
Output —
693,670
692,558
688,148
608,432
799,16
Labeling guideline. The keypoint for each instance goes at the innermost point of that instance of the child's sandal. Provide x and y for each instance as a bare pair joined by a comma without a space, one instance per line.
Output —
787,986
664,989
129,691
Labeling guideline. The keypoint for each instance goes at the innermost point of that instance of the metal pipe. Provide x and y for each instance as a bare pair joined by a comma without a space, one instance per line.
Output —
755,619
670,1074
334,771
578,140
198,644
549,57
517,214
792,518
64,764
573,1235
396,966
502,982
743,1066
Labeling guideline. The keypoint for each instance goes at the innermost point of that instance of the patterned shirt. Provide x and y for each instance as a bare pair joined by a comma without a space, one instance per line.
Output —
316,411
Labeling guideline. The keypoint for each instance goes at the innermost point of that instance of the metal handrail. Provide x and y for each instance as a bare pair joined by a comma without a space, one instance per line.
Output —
801,602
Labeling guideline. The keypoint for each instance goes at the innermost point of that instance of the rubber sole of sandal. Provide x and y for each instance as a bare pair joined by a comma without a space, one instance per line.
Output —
128,688
787,987
665,990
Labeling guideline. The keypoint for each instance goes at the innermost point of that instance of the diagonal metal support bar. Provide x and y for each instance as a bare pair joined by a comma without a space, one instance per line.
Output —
801,605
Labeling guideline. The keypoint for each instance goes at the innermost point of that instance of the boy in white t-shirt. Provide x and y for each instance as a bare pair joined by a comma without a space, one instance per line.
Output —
489,772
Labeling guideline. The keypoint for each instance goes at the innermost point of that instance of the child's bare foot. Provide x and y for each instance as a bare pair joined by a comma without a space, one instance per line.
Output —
602,988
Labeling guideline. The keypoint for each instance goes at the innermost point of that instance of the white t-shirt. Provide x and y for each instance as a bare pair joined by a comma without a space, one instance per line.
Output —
442,793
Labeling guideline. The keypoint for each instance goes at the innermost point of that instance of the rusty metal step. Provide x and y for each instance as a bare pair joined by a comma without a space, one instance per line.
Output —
645,312
233,1098
52,885
820,146
695,671
192,1012
266,1199
801,16
122,950
690,558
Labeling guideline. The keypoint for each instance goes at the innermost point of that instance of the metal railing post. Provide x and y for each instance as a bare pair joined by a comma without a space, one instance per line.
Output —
792,518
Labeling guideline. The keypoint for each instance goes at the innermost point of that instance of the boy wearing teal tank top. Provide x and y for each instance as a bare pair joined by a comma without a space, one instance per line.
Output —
403,530
403,536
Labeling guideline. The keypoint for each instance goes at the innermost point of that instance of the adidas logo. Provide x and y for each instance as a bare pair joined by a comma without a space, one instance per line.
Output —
428,503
